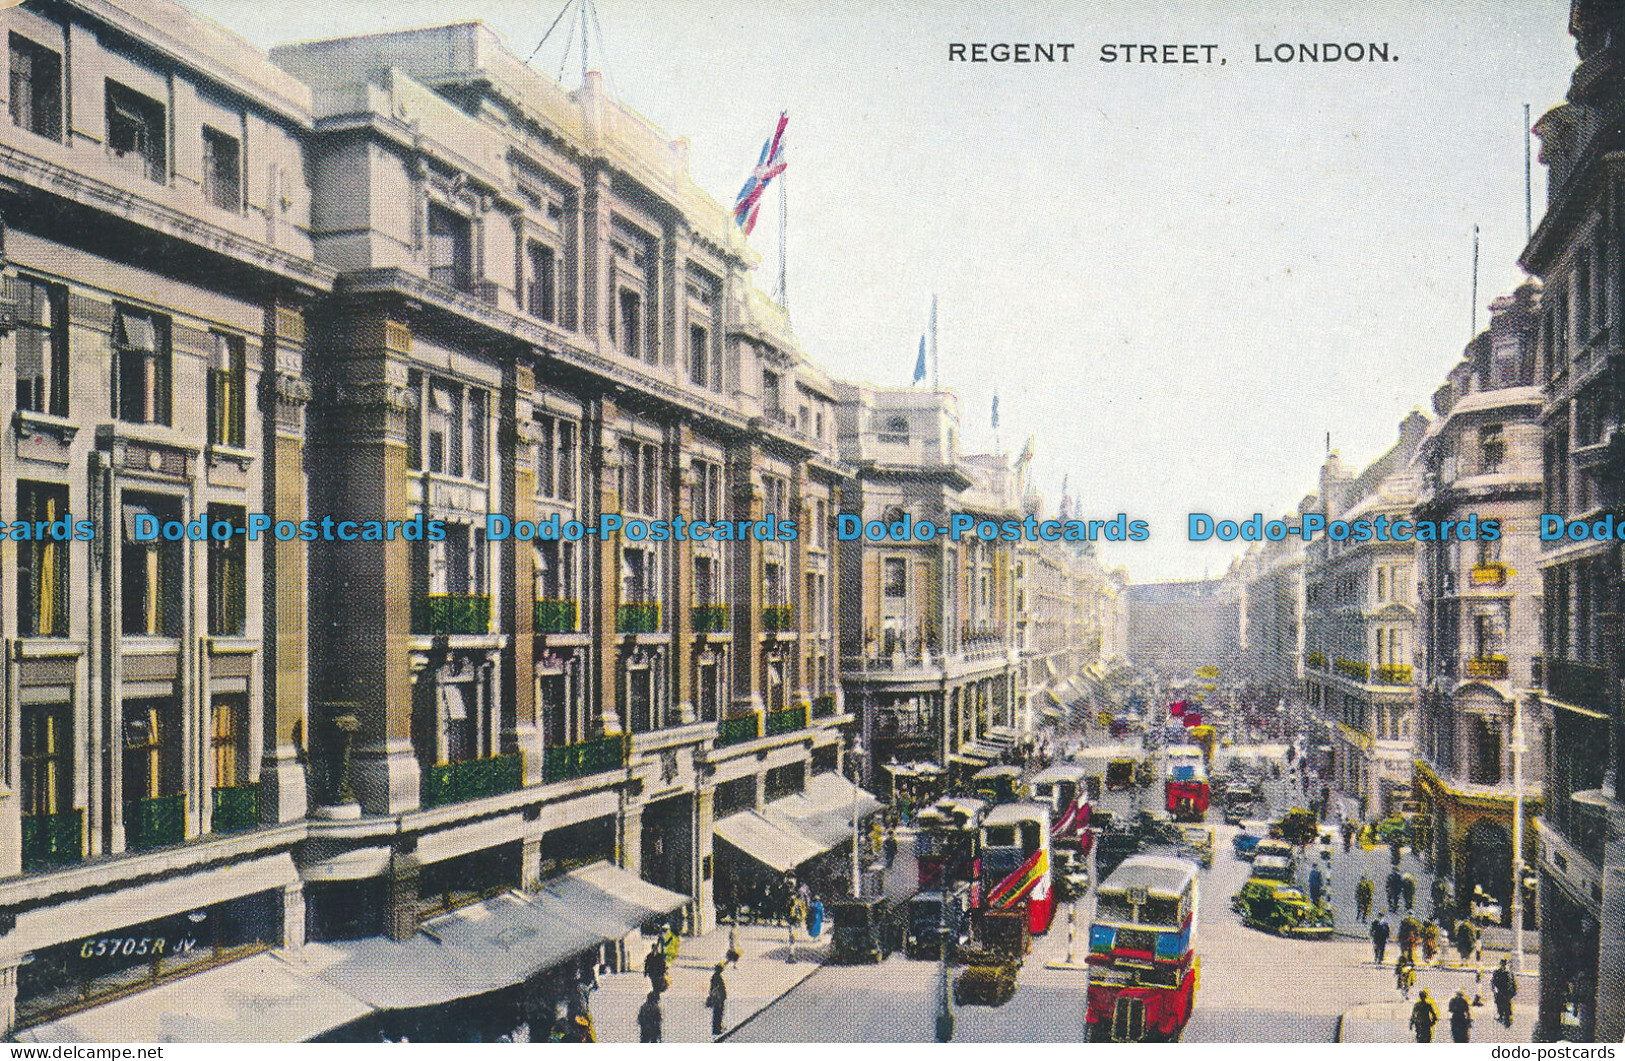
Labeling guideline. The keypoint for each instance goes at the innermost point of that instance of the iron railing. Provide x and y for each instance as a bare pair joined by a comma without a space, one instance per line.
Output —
472,779
451,613
53,839
823,706
566,762
555,616
739,729
787,721
235,809
154,822
777,618
710,618
637,619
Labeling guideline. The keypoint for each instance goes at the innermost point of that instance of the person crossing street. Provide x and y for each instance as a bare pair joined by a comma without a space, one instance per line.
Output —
1395,884
1461,1016
1504,986
1424,1015
716,999
1379,939
1364,891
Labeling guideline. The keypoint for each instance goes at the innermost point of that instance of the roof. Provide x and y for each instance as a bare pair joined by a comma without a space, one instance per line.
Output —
1012,813
1158,875
997,771
1061,772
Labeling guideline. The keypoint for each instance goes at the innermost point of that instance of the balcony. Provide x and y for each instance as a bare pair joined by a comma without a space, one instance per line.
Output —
1581,684
154,822
555,617
1489,667
451,613
637,619
236,809
789,720
739,729
982,644
1317,659
777,618
53,839
1393,674
472,779
566,762
1489,574
824,706
710,618
1349,668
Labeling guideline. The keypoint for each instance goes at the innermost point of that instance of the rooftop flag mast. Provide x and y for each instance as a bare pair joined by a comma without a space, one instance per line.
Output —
1528,185
936,367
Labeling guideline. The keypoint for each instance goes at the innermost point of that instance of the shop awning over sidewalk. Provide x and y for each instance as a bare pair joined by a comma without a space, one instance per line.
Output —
501,942
275,997
796,829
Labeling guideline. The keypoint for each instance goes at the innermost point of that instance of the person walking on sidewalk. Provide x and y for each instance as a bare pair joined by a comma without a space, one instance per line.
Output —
650,1018
1364,891
1441,900
1424,1015
1404,976
654,967
1407,885
716,999
815,918
670,941
1396,884
1315,881
1379,939
1466,938
1504,986
1461,1016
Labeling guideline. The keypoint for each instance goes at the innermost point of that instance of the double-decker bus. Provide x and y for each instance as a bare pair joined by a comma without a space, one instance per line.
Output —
1184,783
1015,863
1143,969
945,846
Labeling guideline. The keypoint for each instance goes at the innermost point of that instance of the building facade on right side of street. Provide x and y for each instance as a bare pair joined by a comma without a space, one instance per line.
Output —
1575,252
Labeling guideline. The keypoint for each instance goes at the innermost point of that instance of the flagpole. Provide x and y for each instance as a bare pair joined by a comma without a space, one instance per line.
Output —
936,368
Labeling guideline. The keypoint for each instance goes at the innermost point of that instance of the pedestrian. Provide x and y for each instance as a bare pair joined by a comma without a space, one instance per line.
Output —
1461,1016
1363,892
650,1019
1504,986
670,942
889,846
1394,885
804,893
654,967
1424,1015
1393,853
1315,881
1348,843
1430,940
1404,976
733,955
1441,898
1407,885
1466,938
1410,934
1379,939
815,918
716,998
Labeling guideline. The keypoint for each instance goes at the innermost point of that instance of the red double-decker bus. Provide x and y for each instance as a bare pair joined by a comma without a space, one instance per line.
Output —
1143,968
1184,783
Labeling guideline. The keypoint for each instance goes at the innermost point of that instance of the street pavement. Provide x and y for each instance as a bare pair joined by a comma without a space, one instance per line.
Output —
1254,987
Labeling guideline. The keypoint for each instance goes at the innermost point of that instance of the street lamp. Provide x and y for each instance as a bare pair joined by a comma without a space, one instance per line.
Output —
1517,830
856,755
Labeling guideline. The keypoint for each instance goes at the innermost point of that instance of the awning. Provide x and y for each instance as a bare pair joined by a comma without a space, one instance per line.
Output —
766,841
822,811
501,942
275,997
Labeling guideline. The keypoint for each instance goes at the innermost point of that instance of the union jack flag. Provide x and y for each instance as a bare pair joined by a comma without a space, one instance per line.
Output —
770,165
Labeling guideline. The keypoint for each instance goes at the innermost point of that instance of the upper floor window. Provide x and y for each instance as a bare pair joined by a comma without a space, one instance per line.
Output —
136,132
895,430
36,88
699,355
42,347
770,391
222,170
1492,448
775,497
451,258
541,297
895,580
556,458
227,372
630,333
141,366
707,500
42,564
152,572
640,478
228,575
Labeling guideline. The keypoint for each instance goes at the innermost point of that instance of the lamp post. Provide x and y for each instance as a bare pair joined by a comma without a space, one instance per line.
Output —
1517,831
856,754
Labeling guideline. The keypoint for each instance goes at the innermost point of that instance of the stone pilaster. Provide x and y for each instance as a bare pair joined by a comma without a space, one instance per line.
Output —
680,598
284,395
745,494
600,494
516,449
630,854
362,591
705,913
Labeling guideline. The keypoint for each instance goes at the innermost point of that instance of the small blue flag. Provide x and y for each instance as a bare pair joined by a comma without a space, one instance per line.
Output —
995,410
919,362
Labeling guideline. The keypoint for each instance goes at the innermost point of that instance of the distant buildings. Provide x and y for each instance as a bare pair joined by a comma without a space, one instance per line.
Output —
1176,627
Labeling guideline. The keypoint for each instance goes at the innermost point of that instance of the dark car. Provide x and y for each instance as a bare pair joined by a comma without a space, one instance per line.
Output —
938,924
862,933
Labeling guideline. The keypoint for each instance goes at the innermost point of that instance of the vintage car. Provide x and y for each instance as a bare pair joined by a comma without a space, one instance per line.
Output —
938,923
1282,908
1196,844
1245,846
1274,867
1158,827
863,932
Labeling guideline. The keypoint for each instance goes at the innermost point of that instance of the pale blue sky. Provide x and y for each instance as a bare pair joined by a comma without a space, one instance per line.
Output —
1179,278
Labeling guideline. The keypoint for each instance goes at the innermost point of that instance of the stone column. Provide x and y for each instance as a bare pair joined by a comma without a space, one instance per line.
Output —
681,596
597,290
705,911
293,915
284,395
516,449
600,493
631,838
363,590
804,608
745,493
